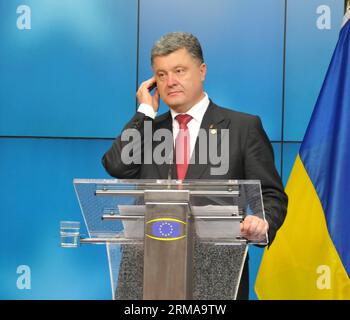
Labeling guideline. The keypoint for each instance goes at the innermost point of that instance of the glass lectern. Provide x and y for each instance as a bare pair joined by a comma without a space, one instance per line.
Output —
168,239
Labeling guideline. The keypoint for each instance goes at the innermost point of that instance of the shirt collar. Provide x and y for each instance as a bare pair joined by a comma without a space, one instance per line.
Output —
197,111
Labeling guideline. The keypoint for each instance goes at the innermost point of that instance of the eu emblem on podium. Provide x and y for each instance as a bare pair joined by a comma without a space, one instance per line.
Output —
166,229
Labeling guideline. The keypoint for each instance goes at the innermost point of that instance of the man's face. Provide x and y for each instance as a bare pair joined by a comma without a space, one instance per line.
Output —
179,79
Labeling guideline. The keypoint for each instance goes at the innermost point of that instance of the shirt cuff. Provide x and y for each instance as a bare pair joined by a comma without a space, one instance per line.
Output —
147,110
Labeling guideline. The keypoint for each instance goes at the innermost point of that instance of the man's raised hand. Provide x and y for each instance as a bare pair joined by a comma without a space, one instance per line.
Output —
144,93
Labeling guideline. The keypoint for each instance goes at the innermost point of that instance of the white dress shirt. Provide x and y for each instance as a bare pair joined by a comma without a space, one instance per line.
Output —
197,112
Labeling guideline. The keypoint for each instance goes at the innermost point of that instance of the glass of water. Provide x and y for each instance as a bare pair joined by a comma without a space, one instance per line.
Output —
70,234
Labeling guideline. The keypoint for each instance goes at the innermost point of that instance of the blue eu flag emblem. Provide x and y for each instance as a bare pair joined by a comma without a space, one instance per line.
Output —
166,229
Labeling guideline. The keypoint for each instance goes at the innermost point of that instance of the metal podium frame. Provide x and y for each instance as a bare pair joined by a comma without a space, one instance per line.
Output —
177,207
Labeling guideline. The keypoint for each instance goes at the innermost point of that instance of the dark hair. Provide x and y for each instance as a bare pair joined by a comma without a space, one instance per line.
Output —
177,40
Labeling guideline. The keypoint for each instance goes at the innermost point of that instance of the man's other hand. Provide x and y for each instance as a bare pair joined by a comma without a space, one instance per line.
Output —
254,228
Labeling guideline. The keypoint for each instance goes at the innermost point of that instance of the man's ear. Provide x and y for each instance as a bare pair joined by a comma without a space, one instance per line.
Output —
203,71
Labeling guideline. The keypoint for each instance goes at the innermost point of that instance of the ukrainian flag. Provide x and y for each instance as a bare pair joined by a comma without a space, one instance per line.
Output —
310,257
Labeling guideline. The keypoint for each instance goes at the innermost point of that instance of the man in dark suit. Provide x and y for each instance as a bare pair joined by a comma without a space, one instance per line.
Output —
179,73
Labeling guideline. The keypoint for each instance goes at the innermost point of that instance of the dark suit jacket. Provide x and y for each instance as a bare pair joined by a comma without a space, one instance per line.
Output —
251,157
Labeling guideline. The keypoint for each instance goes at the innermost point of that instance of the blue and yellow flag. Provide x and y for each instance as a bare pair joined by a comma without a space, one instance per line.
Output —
310,257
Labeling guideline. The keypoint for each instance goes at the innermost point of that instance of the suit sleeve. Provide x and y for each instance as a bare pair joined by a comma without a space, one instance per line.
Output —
113,160
259,164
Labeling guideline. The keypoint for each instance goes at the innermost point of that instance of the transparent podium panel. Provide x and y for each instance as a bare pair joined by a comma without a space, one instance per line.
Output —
169,239
126,270
217,271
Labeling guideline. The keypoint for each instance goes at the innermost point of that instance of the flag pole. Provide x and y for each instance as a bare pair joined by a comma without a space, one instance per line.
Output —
347,12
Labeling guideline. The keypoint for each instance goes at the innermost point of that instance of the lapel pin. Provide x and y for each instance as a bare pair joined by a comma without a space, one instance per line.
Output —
212,129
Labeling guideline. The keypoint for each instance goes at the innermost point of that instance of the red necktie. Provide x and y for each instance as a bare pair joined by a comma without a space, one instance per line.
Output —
182,146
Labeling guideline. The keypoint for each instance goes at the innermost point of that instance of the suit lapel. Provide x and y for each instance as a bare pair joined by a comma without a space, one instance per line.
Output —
165,170
213,121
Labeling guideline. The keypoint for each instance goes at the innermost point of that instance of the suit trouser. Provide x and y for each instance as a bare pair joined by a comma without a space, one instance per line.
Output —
243,291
